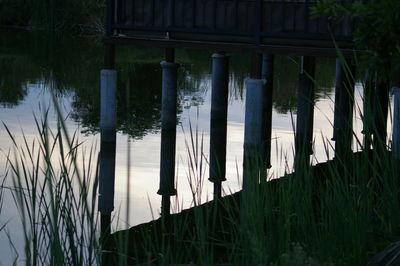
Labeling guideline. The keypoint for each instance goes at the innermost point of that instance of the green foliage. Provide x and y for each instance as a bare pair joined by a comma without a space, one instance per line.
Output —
297,256
77,15
377,30
342,213
13,90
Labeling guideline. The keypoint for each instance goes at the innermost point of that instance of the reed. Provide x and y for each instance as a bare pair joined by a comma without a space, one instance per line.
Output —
55,196
2,189
339,213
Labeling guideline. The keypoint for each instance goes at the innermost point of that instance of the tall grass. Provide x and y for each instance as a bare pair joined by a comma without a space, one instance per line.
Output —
2,189
334,217
55,196
340,213
196,162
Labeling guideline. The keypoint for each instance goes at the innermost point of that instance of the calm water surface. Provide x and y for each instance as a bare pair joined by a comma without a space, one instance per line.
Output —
31,65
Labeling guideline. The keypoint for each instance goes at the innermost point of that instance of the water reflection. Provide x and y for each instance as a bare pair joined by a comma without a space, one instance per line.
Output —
73,65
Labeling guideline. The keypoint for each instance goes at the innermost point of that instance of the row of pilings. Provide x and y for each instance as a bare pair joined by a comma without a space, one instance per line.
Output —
258,122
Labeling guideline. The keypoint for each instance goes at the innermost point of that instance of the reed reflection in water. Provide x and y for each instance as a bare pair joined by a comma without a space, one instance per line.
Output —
73,65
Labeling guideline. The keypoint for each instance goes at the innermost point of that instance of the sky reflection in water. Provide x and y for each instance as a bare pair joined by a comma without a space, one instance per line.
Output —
28,63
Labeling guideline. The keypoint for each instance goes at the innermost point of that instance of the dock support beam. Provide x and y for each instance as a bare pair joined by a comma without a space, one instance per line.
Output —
108,87
108,90
343,114
106,183
218,124
396,123
253,125
168,131
305,115
368,105
267,74
108,140
381,115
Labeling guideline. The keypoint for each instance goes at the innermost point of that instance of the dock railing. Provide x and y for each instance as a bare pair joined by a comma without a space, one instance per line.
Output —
249,22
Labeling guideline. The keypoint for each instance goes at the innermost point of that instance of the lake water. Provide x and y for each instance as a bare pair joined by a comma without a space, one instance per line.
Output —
31,64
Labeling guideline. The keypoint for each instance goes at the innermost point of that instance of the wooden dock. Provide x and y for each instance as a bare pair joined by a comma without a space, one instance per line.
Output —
263,27
269,26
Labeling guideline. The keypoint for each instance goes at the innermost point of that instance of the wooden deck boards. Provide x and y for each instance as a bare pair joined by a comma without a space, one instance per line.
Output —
275,26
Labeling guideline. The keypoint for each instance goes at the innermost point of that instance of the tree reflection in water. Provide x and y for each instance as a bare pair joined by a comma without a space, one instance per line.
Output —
73,65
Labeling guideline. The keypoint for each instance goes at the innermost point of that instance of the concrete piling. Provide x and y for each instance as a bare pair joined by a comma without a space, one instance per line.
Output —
108,87
253,136
168,134
108,116
253,131
107,177
218,120
343,113
267,74
368,106
396,123
380,115
305,114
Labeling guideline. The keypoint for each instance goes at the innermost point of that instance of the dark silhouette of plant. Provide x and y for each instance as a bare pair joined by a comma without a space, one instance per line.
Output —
377,31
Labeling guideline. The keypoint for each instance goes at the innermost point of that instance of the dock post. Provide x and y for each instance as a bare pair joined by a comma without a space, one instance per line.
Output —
253,125
343,114
381,115
108,90
267,74
396,123
253,140
106,184
305,115
368,105
218,121
168,131
108,86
